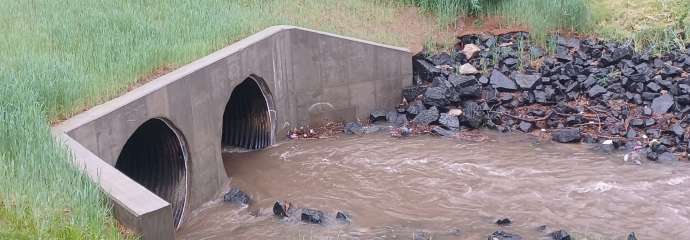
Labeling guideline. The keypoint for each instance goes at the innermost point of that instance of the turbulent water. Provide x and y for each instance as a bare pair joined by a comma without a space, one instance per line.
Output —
451,189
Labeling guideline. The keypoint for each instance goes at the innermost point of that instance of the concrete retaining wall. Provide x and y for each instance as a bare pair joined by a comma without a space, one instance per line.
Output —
311,76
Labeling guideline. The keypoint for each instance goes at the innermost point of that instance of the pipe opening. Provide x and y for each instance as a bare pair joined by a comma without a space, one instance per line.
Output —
155,157
246,120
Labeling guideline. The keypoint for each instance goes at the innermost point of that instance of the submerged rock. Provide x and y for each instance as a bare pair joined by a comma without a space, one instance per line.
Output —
501,235
235,195
342,217
504,221
427,116
631,236
561,235
311,216
280,209
353,128
421,235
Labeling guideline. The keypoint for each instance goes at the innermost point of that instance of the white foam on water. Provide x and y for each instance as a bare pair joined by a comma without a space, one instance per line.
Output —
599,187
677,180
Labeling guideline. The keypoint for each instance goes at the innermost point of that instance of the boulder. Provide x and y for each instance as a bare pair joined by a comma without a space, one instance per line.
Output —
501,82
468,69
566,135
423,68
503,221
235,195
449,121
525,126
662,104
631,236
436,96
311,216
411,93
473,115
470,50
526,81
376,116
280,209
427,116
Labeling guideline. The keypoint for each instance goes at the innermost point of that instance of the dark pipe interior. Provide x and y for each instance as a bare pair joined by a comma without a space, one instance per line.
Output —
246,122
153,156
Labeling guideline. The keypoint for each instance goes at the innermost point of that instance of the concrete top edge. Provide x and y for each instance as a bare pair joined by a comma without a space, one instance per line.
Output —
160,82
125,191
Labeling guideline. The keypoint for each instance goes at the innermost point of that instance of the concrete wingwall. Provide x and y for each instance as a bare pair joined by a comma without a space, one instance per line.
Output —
310,76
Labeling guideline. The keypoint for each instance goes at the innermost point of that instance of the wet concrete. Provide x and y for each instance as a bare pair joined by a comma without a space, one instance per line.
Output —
451,189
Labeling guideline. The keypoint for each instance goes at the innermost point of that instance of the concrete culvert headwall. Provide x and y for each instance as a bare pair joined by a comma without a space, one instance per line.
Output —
156,151
246,120
155,157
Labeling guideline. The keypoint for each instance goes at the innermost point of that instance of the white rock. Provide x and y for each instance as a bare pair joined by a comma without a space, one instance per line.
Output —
455,112
468,69
470,50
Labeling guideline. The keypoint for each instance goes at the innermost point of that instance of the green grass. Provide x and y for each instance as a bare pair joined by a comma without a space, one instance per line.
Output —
540,16
58,57
656,25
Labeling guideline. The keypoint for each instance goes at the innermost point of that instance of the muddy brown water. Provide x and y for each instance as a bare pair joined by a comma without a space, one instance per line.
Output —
452,189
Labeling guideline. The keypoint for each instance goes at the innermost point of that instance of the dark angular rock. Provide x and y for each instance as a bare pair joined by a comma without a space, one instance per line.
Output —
560,235
449,121
501,82
526,81
436,96
649,122
662,104
654,87
631,236
235,195
540,96
503,221
615,55
566,135
415,107
427,116
525,126
501,235
411,93
312,216
442,59
649,96
280,209
671,71
376,116
596,91
423,68
473,116
343,217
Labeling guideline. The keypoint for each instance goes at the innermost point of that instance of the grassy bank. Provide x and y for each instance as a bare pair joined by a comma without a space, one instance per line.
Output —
657,25
59,57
